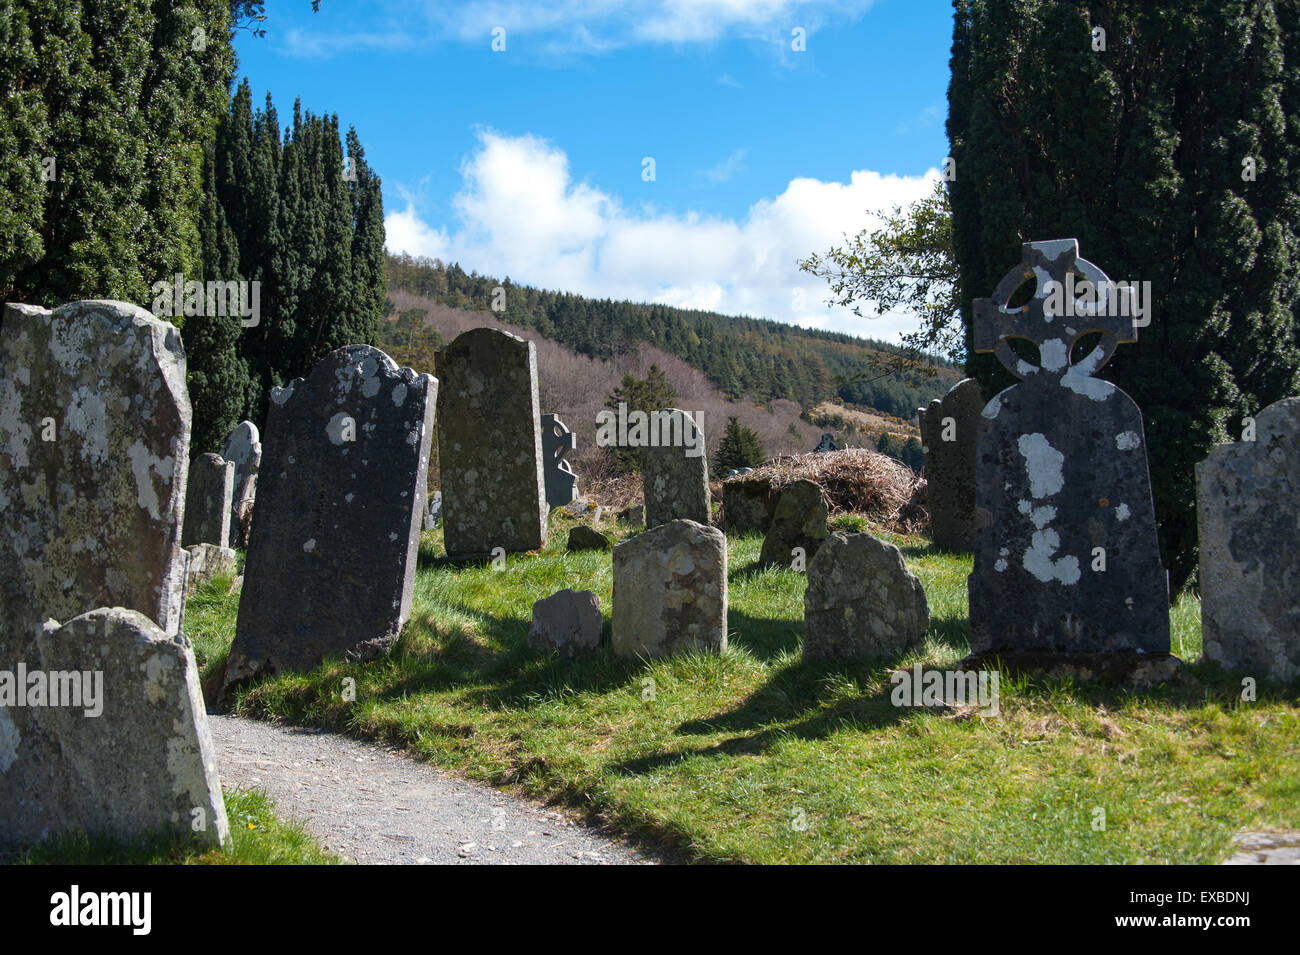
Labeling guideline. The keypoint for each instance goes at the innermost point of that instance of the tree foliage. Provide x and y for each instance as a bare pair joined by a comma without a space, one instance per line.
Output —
739,447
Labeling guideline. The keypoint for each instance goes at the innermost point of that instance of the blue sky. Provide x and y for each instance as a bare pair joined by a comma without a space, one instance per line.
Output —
530,161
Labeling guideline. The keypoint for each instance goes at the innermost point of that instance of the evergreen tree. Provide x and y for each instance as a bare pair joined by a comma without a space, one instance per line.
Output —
1141,151
653,393
739,447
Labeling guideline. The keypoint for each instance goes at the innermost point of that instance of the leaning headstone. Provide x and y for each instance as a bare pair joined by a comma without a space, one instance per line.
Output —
675,470
582,537
748,504
94,440
1248,512
207,560
862,600
135,756
207,501
561,482
948,433
567,622
670,591
243,448
490,445
1066,556
340,503
798,526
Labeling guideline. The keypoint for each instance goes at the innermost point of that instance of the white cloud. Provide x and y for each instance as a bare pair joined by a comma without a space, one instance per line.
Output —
521,214
724,169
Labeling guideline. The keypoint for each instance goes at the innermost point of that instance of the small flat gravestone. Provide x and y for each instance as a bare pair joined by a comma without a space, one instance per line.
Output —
340,502
207,560
567,622
1247,494
1066,556
582,537
798,526
862,600
207,501
490,445
675,470
561,482
243,448
670,591
949,429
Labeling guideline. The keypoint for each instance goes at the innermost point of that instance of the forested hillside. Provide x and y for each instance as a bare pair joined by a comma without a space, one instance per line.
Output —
745,358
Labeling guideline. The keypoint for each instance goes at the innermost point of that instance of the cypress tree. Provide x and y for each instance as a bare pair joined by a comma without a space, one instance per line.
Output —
739,447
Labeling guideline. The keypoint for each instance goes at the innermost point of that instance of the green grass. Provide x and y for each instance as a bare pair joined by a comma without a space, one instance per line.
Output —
756,756
257,838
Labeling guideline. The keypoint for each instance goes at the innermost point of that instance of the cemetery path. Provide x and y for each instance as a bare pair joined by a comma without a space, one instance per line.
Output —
378,806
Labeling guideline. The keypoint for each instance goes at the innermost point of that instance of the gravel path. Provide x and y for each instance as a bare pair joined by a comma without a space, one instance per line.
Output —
378,806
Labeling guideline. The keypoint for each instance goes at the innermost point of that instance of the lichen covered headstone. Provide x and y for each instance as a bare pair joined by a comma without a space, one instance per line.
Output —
948,437
340,503
670,591
243,448
798,526
675,470
561,482
1066,556
490,445
208,495
748,504
567,622
1248,521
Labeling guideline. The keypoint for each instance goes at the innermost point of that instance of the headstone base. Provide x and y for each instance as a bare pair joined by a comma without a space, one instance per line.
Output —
1130,669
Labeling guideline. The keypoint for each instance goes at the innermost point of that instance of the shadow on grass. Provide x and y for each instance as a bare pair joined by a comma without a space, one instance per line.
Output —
764,637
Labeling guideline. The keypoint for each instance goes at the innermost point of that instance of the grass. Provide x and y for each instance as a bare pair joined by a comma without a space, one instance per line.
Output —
257,838
755,756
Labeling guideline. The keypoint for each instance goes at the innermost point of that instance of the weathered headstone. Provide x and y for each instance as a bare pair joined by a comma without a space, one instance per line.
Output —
243,448
861,600
827,443
207,560
561,482
1248,518
490,445
582,537
207,501
675,472
948,435
670,591
799,524
340,503
1066,557
134,753
94,440
433,512
567,622
748,504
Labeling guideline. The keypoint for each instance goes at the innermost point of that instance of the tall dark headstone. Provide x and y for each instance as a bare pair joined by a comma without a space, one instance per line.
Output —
490,445
948,432
340,502
1066,555
208,496
557,441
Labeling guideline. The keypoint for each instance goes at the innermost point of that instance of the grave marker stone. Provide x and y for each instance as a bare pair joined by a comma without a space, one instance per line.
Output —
948,436
244,449
208,495
675,473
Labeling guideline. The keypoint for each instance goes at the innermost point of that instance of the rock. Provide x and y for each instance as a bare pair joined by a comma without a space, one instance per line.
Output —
208,495
1248,510
1066,555
583,537
862,600
94,440
949,427
675,471
134,755
748,505
340,502
433,513
670,591
490,445
205,561
567,622
1265,847
561,482
243,448
798,524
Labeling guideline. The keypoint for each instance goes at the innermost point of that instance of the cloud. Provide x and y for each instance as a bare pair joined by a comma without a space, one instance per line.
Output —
726,168
520,213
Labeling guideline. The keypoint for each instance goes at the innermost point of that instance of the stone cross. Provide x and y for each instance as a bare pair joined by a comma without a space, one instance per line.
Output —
558,441
1066,554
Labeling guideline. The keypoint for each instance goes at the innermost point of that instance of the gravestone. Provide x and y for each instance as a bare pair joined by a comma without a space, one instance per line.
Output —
567,622
144,762
433,512
799,522
561,482
1066,557
340,502
670,591
490,445
827,444
206,560
748,504
207,501
675,473
861,600
94,440
582,537
948,432
243,448
1247,495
